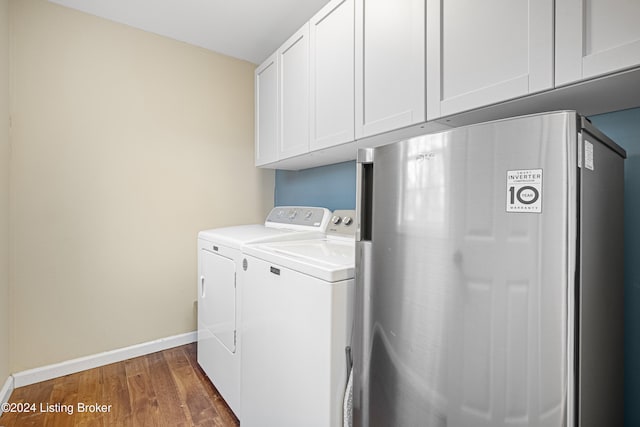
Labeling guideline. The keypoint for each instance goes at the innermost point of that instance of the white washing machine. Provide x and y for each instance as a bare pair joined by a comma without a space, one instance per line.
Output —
219,289
296,323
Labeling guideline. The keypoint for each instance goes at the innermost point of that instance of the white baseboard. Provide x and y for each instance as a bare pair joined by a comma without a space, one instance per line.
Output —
48,372
5,392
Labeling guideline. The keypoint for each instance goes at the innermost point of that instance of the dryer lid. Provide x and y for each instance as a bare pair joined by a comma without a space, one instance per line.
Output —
237,236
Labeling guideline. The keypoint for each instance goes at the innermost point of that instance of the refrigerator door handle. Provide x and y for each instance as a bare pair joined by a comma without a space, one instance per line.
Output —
364,191
349,360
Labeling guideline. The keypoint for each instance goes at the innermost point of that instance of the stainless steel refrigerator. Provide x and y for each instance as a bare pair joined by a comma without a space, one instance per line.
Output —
489,279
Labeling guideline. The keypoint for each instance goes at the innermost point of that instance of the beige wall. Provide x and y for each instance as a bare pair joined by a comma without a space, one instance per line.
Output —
4,191
125,144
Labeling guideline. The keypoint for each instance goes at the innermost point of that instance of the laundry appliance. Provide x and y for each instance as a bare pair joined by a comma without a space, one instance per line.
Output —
219,288
489,287
296,325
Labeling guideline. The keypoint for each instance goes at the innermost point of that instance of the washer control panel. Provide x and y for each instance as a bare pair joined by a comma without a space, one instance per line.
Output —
299,215
342,223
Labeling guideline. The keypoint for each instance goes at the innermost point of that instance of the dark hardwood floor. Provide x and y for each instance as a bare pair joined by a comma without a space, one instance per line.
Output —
167,388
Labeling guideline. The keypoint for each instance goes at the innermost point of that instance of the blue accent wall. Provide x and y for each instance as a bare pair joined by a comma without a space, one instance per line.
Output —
334,187
624,128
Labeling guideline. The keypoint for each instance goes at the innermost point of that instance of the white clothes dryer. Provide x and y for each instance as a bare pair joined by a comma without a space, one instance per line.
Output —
296,324
219,289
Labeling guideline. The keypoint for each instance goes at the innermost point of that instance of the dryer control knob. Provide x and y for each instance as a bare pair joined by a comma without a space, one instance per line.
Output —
292,214
347,220
336,220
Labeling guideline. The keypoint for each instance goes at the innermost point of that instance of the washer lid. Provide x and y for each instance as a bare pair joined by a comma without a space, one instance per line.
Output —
237,236
329,260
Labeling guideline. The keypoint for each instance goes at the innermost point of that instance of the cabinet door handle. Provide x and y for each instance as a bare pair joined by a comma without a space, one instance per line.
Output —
202,292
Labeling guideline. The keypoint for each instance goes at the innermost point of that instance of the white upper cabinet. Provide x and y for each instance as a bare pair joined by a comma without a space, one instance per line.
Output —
390,65
362,68
332,75
596,37
293,82
483,52
266,111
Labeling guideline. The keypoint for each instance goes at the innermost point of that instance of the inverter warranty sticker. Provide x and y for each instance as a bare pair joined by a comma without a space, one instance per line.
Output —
524,191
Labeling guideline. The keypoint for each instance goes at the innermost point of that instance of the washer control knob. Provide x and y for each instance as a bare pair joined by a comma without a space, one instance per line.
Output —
347,220
308,214
336,220
292,214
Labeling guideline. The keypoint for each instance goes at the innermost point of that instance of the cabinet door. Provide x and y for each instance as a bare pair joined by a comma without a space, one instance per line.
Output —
390,65
481,53
266,111
293,62
595,37
331,74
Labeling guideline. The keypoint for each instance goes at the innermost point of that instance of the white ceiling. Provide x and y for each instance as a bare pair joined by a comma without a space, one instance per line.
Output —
245,29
